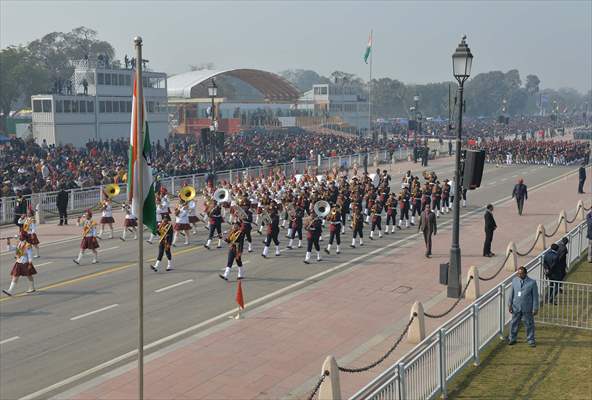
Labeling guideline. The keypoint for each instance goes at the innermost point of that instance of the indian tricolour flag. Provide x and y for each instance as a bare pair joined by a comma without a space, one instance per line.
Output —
368,48
145,204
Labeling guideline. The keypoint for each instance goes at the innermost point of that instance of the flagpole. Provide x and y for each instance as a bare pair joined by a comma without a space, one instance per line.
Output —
370,85
140,199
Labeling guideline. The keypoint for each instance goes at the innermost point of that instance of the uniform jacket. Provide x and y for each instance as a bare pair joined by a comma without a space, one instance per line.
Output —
582,173
490,224
551,265
428,224
520,191
524,295
62,199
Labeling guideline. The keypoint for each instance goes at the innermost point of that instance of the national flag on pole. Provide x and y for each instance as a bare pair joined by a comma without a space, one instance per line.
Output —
239,296
368,48
146,205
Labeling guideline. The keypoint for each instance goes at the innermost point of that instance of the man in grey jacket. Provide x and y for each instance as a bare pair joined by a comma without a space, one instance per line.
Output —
524,305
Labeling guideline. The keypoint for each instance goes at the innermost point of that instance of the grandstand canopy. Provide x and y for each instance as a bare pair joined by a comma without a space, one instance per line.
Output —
244,85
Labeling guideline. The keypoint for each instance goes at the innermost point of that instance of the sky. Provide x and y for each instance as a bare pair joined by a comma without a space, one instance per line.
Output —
413,41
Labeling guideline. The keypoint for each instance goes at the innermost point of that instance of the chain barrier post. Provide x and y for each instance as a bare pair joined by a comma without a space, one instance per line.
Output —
541,243
417,329
580,210
475,334
473,289
330,388
512,263
562,222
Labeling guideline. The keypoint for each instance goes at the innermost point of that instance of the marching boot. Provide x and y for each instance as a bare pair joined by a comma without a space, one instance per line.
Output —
393,229
175,237
94,260
10,288
353,245
413,220
136,234
290,244
208,243
123,234
406,223
338,249
400,222
437,213
219,243
265,251
79,258
328,249
464,203
321,238
111,234
31,285
151,238
319,256
155,266
307,258
186,239
225,274
250,247
299,243
100,232
277,250
380,234
169,266
371,235
37,252
241,273
289,234
361,242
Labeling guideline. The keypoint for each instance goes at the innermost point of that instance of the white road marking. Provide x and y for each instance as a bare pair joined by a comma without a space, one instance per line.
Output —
515,176
256,302
93,312
173,286
108,248
504,179
42,264
12,339
493,183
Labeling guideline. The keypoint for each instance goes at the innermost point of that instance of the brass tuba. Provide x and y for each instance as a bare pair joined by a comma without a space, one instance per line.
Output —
112,190
322,208
222,195
187,193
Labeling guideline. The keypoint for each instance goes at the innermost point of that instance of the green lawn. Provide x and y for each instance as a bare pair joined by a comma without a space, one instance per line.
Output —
560,367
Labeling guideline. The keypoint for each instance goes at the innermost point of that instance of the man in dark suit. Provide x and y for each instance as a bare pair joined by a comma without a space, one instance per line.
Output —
490,226
552,271
62,206
520,193
20,208
427,225
582,176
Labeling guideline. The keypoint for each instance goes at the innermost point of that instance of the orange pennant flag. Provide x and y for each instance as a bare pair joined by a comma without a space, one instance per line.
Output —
239,296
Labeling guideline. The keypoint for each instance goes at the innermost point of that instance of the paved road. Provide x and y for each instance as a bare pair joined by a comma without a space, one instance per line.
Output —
85,315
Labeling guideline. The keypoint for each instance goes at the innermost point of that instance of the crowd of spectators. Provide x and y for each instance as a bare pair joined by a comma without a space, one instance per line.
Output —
550,152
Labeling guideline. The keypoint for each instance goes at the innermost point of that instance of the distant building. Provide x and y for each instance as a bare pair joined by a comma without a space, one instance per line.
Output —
246,98
96,105
340,104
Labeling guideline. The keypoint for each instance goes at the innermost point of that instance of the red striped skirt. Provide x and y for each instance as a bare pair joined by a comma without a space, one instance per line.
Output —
33,239
182,227
89,242
107,220
23,270
193,219
128,223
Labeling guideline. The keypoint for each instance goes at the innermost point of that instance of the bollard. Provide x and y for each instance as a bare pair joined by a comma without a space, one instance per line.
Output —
330,388
417,329
473,289
580,211
512,262
562,222
541,243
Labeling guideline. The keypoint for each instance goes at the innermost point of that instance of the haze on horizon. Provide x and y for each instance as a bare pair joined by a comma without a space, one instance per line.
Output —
413,41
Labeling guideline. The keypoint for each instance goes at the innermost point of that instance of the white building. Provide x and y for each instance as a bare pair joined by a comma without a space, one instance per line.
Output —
104,111
338,101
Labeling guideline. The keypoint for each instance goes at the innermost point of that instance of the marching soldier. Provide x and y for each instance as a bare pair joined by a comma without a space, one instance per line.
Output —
247,225
296,225
162,209
334,220
445,197
23,265
357,225
436,196
106,217
214,212
404,208
376,219
314,229
391,214
416,197
165,233
273,231
130,223
235,240
89,237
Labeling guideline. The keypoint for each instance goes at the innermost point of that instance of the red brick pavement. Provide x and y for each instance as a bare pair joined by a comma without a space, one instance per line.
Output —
277,350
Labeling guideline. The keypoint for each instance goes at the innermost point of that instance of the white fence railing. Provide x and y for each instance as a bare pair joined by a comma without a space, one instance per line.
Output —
425,371
83,198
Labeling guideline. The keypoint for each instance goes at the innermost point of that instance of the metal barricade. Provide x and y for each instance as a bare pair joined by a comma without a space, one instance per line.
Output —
565,304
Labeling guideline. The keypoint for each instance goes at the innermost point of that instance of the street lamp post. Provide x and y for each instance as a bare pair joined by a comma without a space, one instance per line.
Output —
462,60
213,92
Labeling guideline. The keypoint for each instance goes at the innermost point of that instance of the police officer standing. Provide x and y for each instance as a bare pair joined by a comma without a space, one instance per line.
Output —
62,206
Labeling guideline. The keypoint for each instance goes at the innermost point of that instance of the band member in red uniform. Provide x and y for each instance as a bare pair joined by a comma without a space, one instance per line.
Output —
376,219
23,265
165,233
314,228
89,237
214,212
334,220
235,240
391,213
357,225
273,231
296,225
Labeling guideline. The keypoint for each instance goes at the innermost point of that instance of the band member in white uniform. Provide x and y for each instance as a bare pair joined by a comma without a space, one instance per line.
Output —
30,228
89,237
23,265
193,219
106,217
182,222
130,223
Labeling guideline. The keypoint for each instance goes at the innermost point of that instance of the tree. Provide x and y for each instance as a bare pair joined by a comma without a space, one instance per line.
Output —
21,77
303,79
532,84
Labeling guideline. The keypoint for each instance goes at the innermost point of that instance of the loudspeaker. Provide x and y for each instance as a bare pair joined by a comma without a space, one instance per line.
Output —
473,168
220,140
412,125
205,136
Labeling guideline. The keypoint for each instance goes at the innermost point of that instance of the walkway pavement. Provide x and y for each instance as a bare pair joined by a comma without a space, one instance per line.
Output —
278,349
